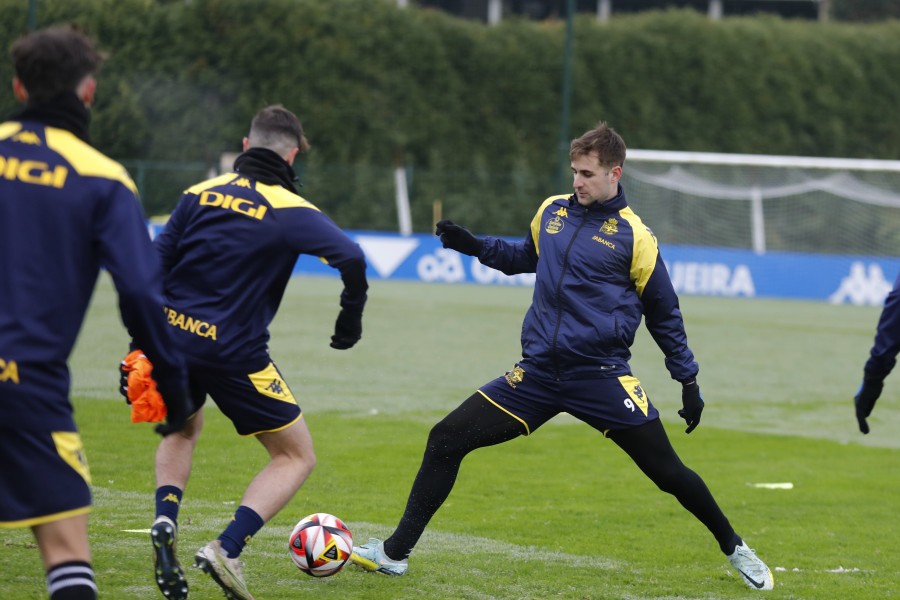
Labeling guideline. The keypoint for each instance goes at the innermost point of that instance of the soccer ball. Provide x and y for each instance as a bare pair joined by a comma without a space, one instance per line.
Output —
320,545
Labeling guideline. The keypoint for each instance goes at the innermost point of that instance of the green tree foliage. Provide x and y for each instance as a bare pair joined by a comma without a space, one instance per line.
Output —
866,10
472,111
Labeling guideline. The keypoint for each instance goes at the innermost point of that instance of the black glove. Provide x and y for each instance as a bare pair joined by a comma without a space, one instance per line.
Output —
179,406
347,329
170,427
123,381
457,237
693,404
865,399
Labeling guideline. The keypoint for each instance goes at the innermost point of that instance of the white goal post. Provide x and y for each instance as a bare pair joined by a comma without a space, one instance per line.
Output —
790,203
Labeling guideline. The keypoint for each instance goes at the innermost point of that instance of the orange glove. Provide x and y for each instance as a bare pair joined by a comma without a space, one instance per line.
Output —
147,405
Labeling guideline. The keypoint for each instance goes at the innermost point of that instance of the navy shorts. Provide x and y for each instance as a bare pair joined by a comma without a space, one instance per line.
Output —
255,402
604,404
44,477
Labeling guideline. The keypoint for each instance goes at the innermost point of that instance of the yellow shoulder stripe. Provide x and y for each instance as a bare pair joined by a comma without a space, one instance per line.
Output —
278,197
209,183
536,221
645,250
86,160
9,128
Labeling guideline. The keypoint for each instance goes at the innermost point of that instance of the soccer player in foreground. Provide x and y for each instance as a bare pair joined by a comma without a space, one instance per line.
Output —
882,357
65,211
228,251
598,271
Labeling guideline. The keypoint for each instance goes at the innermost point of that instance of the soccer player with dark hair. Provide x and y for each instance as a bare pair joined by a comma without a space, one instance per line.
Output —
228,251
882,357
65,211
598,273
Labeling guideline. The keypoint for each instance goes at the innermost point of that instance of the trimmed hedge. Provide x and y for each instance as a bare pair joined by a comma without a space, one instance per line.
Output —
472,111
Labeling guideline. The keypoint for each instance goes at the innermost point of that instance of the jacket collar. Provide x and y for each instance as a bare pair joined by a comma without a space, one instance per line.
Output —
65,111
266,166
611,206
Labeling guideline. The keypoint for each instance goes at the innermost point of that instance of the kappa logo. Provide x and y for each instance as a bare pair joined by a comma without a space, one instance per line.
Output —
637,392
9,371
862,286
171,498
554,225
242,182
69,447
27,137
275,387
562,212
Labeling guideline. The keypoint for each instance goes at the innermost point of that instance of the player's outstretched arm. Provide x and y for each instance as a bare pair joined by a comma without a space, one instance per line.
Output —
456,237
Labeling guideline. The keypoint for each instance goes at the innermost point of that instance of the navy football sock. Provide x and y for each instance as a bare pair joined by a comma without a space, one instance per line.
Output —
168,501
243,526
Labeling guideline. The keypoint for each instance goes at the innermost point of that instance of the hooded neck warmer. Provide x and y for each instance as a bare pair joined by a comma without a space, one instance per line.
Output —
266,166
65,111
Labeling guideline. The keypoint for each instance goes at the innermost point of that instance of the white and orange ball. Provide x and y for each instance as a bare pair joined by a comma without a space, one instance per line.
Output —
320,545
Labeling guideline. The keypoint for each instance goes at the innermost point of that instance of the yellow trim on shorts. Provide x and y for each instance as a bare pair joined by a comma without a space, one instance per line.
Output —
46,518
70,449
300,416
633,388
524,424
269,382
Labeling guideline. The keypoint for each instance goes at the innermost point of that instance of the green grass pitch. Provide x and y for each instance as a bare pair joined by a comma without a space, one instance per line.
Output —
561,514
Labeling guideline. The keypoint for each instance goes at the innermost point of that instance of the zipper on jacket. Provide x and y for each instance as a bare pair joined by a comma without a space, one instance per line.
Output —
562,274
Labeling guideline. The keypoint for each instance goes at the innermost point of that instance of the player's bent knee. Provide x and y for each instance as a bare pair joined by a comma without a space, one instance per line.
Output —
444,441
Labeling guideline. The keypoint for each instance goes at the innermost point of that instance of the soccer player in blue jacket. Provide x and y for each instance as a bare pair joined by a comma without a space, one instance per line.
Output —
228,251
598,273
65,211
882,357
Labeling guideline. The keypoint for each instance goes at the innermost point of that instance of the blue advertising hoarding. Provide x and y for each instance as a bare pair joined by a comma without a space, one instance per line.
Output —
695,270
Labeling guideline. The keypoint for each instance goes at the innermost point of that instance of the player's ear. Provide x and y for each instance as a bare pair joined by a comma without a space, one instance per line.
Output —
246,144
616,172
86,90
291,155
19,90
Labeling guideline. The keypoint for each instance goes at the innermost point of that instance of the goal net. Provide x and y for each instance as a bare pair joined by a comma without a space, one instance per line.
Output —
767,203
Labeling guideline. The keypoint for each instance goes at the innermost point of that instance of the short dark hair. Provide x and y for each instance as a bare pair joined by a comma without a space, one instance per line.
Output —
603,139
277,129
54,60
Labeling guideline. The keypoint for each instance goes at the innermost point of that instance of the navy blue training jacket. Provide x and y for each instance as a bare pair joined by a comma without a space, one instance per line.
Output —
65,211
883,355
598,271
229,250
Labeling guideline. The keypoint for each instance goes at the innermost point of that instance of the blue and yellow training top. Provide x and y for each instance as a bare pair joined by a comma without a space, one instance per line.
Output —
598,274
229,250
65,211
